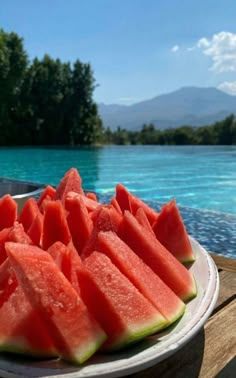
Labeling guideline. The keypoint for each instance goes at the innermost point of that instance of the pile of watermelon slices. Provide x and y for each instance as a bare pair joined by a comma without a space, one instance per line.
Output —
78,276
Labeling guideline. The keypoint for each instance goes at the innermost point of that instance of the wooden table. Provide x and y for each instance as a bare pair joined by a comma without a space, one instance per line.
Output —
212,352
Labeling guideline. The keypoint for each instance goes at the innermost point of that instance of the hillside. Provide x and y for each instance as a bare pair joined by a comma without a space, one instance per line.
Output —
186,106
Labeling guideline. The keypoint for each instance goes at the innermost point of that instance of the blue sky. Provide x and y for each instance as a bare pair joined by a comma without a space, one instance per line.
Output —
137,48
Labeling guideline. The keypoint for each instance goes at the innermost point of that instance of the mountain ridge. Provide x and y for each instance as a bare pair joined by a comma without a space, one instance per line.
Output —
194,106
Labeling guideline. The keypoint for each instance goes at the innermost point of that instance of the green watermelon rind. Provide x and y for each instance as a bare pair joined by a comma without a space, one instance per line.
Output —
83,355
177,314
20,347
193,293
187,259
136,333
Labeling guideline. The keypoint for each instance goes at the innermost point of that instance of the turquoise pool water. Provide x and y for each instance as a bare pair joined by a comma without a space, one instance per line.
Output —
197,176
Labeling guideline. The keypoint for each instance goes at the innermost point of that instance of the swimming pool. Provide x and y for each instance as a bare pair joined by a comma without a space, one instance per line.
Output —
201,178
197,176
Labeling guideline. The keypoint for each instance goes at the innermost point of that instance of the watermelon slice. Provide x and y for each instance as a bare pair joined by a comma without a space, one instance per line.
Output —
75,332
92,196
132,203
143,220
68,261
3,238
8,211
105,218
16,233
142,276
160,260
79,222
48,194
123,197
28,213
58,251
90,203
123,312
55,226
75,265
8,281
136,203
71,182
36,230
171,232
21,328
116,205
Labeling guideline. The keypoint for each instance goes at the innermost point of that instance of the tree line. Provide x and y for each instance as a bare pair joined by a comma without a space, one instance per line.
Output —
220,133
49,102
45,101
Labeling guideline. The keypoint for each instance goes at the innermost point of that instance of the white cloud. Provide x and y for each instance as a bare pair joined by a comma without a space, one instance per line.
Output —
175,48
203,43
191,48
228,87
221,48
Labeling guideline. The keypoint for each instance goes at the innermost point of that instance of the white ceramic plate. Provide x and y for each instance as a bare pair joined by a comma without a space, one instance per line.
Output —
145,354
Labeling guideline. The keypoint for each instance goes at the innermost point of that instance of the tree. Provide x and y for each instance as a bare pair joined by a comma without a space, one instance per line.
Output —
149,135
42,98
13,64
86,125
120,136
224,130
183,135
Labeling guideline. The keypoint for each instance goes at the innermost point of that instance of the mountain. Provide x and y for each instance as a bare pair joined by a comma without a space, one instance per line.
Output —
186,106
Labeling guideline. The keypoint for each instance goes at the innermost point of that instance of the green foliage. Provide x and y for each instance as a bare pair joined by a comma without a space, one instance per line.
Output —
221,133
13,63
47,101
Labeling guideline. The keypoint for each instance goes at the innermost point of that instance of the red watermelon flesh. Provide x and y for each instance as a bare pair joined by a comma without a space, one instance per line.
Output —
58,251
21,328
92,196
90,204
136,203
143,220
8,281
116,205
67,260
16,233
28,213
170,230
3,238
75,265
123,197
79,222
75,332
71,182
8,211
123,312
36,230
142,276
160,260
55,227
130,202
48,194
105,218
